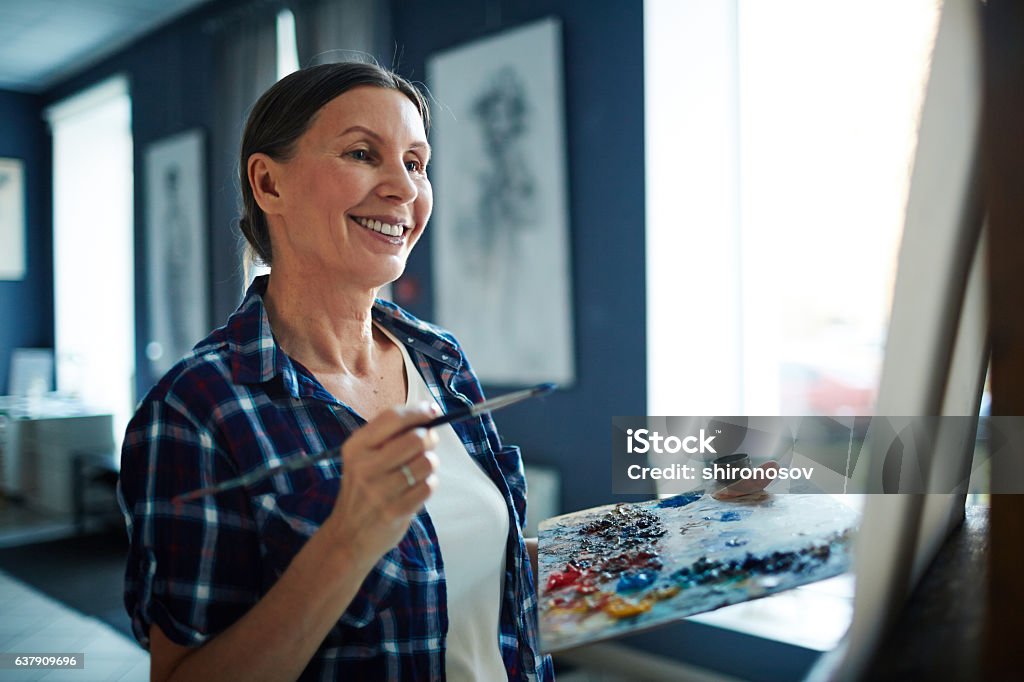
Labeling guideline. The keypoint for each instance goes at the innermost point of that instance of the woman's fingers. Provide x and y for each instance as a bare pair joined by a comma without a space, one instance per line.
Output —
746,487
379,462
404,440
377,513
409,485
374,478
390,423
415,470
409,501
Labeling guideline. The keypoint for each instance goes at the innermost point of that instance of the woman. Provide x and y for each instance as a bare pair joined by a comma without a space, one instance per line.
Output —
405,560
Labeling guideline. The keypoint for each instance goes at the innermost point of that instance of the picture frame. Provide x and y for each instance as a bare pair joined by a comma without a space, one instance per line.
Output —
31,372
12,219
500,232
177,269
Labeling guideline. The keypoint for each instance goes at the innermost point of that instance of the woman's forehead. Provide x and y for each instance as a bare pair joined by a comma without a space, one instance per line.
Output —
383,110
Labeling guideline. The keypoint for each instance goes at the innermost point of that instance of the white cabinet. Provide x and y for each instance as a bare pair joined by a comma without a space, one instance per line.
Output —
38,443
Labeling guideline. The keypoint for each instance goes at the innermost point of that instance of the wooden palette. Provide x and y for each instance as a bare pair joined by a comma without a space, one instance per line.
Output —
618,569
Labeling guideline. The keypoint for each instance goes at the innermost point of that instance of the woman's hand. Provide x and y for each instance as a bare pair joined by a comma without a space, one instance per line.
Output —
388,473
742,488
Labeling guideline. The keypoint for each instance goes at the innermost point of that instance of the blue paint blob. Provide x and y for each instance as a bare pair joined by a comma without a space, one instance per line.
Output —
680,500
631,582
728,516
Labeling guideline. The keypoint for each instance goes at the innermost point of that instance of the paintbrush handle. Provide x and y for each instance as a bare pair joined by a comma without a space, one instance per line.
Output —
257,475
490,405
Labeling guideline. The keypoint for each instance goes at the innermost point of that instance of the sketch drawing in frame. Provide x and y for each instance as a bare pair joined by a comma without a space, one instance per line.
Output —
12,219
500,231
176,248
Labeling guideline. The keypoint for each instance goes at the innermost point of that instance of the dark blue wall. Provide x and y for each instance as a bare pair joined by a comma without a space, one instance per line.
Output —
603,56
26,306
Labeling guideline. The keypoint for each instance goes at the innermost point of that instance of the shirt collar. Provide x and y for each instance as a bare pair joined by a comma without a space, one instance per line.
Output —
256,357
416,334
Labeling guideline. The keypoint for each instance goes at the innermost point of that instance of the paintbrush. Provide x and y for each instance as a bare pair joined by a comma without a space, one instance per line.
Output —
458,415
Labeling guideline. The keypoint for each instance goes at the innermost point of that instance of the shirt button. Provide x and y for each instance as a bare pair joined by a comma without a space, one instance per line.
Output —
444,357
408,339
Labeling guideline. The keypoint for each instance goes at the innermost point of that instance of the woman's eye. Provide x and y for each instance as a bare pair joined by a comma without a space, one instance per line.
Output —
414,166
360,154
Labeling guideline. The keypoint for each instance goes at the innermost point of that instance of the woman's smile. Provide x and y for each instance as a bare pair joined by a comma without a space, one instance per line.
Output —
393,230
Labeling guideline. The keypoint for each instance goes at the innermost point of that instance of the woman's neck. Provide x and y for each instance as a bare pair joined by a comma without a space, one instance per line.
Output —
327,326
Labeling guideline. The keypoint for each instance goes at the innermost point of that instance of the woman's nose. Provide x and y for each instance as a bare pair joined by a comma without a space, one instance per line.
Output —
396,184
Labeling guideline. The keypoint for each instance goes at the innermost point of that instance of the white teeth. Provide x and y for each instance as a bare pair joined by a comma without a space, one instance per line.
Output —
384,228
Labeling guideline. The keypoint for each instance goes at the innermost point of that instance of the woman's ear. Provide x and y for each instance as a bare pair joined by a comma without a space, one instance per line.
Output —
263,172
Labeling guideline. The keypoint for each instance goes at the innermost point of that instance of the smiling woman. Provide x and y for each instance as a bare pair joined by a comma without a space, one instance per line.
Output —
330,571
281,117
355,182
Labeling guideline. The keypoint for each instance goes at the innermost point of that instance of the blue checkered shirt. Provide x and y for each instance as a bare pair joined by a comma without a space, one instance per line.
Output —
237,402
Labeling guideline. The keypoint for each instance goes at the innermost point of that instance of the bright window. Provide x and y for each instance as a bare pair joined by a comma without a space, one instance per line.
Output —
287,50
93,248
779,143
780,137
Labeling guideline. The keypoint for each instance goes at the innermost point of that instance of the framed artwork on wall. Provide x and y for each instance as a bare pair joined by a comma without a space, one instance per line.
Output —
176,261
500,231
12,219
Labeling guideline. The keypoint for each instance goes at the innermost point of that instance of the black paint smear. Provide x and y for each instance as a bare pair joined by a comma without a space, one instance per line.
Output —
623,526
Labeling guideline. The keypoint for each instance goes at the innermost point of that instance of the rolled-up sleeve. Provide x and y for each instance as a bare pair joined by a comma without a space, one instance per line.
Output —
193,568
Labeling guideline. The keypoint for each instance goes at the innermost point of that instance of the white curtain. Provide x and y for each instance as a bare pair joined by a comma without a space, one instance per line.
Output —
246,65
93,248
328,31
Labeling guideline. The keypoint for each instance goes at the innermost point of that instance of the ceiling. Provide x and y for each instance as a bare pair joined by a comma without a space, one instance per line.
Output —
44,41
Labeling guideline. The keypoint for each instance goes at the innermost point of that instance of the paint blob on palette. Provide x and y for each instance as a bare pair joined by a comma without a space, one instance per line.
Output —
619,569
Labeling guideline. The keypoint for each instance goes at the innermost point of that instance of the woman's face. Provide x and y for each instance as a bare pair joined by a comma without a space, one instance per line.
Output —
354,198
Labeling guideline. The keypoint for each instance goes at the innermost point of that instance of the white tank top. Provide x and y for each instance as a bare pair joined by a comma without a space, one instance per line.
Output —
471,521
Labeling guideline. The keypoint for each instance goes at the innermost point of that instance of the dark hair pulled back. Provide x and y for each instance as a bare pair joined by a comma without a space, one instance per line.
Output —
286,110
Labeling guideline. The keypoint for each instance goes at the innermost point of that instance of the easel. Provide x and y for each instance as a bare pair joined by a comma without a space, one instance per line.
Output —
1003,191
969,170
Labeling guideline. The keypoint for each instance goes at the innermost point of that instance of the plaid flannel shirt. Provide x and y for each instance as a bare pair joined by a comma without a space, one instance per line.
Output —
238,402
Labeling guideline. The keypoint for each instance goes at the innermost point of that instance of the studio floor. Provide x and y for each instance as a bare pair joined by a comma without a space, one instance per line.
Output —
61,592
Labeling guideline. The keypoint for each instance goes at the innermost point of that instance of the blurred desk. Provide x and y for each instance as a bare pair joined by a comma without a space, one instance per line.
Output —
39,439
